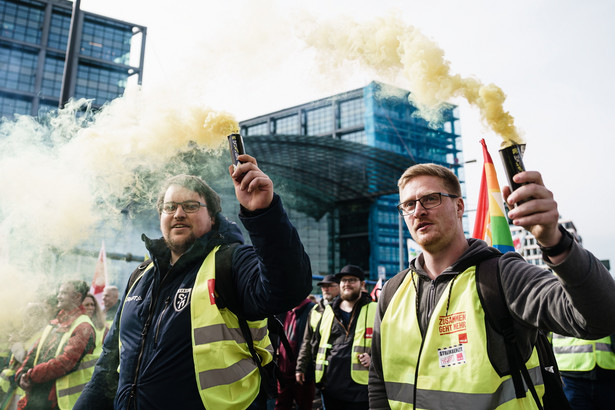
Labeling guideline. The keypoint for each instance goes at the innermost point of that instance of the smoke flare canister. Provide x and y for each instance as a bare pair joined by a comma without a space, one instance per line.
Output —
512,159
236,148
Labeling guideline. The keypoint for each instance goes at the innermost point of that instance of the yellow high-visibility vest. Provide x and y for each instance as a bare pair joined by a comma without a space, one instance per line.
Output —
361,343
226,374
449,367
70,386
578,355
315,316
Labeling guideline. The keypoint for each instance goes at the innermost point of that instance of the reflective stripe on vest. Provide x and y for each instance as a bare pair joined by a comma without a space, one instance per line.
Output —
70,386
361,343
578,355
450,367
226,374
224,368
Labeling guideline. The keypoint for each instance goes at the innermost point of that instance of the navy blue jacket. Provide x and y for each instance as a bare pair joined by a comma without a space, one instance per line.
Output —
157,369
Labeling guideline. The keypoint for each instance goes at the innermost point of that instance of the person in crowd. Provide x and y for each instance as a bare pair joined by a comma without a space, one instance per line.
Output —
588,370
180,344
56,369
330,288
111,301
96,315
35,318
344,337
293,395
418,360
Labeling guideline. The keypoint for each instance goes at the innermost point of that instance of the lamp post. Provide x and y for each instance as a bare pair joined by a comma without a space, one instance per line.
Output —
71,53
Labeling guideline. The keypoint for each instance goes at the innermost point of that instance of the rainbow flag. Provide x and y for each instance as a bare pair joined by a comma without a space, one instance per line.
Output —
491,224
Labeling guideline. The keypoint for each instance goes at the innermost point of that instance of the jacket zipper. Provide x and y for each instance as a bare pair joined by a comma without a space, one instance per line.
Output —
148,322
167,302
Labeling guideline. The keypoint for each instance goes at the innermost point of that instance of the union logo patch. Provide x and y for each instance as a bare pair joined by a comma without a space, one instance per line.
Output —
182,299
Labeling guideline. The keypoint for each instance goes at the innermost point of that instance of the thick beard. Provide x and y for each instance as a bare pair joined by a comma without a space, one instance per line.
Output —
180,248
351,297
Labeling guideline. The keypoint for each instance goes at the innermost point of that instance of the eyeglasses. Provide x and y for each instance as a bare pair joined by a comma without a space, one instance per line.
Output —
349,280
427,201
189,207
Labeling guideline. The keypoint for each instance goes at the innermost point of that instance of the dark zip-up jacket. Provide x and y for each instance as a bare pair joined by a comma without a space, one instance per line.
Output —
337,380
577,302
157,370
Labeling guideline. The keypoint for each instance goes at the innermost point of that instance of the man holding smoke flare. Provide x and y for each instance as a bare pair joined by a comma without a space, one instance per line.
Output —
176,336
432,346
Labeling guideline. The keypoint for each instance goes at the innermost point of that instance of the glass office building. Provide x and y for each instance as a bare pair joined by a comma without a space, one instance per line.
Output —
372,131
33,40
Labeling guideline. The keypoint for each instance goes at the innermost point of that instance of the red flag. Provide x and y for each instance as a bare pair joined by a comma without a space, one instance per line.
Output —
376,291
100,276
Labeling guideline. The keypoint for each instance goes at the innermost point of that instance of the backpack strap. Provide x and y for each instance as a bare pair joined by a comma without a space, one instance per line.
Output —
390,288
491,294
227,297
226,292
137,273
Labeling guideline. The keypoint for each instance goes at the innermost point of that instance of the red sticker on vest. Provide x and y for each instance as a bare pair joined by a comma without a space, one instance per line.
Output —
453,323
463,338
211,285
368,333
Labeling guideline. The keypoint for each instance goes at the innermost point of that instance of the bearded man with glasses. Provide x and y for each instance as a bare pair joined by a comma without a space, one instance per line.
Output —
344,340
180,323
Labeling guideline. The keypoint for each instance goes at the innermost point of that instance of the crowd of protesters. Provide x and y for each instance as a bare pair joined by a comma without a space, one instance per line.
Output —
51,356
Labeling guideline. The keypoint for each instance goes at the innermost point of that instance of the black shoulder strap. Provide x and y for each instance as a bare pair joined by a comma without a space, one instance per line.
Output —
389,290
225,285
137,273
227,297
492,299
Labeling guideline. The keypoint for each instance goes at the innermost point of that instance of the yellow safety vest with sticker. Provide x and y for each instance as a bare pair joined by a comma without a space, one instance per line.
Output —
449,367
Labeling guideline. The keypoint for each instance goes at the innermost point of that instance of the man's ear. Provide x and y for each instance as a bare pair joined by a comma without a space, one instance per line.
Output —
460,207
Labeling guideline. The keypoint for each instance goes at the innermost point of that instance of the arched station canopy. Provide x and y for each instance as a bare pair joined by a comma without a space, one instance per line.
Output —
318,172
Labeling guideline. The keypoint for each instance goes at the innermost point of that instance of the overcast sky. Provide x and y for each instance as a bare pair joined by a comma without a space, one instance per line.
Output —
554,59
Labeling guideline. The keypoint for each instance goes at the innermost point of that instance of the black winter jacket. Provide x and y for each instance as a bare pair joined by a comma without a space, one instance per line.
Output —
157,370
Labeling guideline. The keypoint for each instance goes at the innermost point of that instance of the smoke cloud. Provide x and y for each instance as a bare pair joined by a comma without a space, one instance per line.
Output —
66,175
398,52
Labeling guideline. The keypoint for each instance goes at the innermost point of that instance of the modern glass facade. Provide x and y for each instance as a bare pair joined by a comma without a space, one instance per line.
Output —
33,40
365,231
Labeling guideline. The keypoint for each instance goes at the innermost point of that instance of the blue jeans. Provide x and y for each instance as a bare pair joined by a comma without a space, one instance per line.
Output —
586,394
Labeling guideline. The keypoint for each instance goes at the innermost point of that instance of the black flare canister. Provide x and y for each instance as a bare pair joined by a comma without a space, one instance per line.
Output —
512,159
235,144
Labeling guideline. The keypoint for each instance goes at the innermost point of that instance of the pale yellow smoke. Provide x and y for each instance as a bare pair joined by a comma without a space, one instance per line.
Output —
397,51
64,179
53,192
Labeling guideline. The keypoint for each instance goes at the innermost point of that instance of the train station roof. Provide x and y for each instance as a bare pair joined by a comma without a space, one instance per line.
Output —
322,171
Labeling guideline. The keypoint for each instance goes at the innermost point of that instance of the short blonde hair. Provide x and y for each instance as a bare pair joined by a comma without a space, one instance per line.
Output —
451,182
